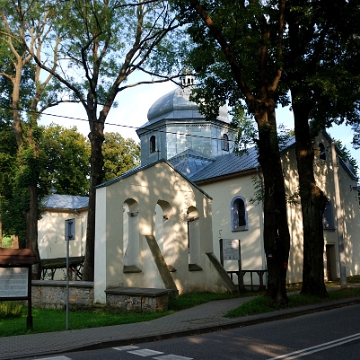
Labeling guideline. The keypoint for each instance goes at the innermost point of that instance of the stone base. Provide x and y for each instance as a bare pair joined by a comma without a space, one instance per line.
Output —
137,299
51,294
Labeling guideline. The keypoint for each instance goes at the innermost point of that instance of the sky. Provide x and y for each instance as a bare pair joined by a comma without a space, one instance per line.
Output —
134,103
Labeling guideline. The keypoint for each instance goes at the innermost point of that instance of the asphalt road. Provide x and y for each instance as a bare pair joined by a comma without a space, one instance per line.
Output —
326,335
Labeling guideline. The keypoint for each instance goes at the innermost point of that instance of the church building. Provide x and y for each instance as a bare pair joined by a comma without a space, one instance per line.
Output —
161,224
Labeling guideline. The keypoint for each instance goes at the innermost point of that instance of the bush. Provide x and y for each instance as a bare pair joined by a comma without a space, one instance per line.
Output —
10,309
7,242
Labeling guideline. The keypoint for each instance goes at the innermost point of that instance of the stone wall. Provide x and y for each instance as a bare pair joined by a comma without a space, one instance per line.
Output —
137,303
51,294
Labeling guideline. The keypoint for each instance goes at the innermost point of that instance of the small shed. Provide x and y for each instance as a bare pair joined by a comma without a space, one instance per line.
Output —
57,210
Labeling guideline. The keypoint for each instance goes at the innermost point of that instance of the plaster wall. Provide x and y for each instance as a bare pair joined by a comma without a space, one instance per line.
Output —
252,248
141,193
349,212
51,234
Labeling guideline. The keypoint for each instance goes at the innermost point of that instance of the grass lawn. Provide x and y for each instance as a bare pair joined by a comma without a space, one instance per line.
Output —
47,320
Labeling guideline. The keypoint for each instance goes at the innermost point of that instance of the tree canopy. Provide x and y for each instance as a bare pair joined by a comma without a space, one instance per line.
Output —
102,44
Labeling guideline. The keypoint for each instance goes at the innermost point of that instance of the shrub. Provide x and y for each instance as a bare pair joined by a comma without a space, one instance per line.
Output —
10,309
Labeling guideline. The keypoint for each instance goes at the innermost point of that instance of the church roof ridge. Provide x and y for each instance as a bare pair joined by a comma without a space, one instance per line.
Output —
144,167
192,153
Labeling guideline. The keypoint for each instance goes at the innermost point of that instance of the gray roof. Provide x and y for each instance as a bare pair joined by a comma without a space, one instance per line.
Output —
176,105
220,166
226,165
189,162
65,202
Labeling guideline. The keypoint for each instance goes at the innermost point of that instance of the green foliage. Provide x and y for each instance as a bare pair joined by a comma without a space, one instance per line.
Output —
104,42
66,165
321,55
346,156
120,155
6,242
247,133
258,185
240,25
10,309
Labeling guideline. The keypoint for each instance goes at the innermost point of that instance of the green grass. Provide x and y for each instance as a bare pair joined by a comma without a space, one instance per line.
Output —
263,304
47,320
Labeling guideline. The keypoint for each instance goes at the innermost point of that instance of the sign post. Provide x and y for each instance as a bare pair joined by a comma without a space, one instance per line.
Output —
69,235
230,249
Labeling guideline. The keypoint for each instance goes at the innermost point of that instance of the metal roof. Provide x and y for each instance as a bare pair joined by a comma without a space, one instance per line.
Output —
189,162
229,164
176,105
65,202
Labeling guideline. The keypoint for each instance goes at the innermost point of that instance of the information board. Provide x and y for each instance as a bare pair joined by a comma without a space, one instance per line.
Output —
14,282
230,249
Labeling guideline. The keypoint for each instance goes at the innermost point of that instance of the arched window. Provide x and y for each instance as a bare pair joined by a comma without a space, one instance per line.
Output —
152,144
131,237
164,232
328,217
194,254
225,143
239,216
322,151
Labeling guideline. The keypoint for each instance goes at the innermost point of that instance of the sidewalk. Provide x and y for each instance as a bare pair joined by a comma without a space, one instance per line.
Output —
200,319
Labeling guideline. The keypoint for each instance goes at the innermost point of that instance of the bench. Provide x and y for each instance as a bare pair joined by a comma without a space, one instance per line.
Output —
260,273
49,267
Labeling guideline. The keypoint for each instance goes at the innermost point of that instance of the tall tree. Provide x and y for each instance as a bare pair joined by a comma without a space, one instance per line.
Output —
238,56
103,43
20,21
8,150
320,57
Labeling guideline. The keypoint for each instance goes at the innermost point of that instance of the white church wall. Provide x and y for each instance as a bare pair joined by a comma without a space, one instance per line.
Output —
252,253
158,184
324,177
100,247
295,224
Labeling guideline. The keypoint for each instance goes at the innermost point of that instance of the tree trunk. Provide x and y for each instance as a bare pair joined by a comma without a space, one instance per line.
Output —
313,202
32,230
276,231
96,137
